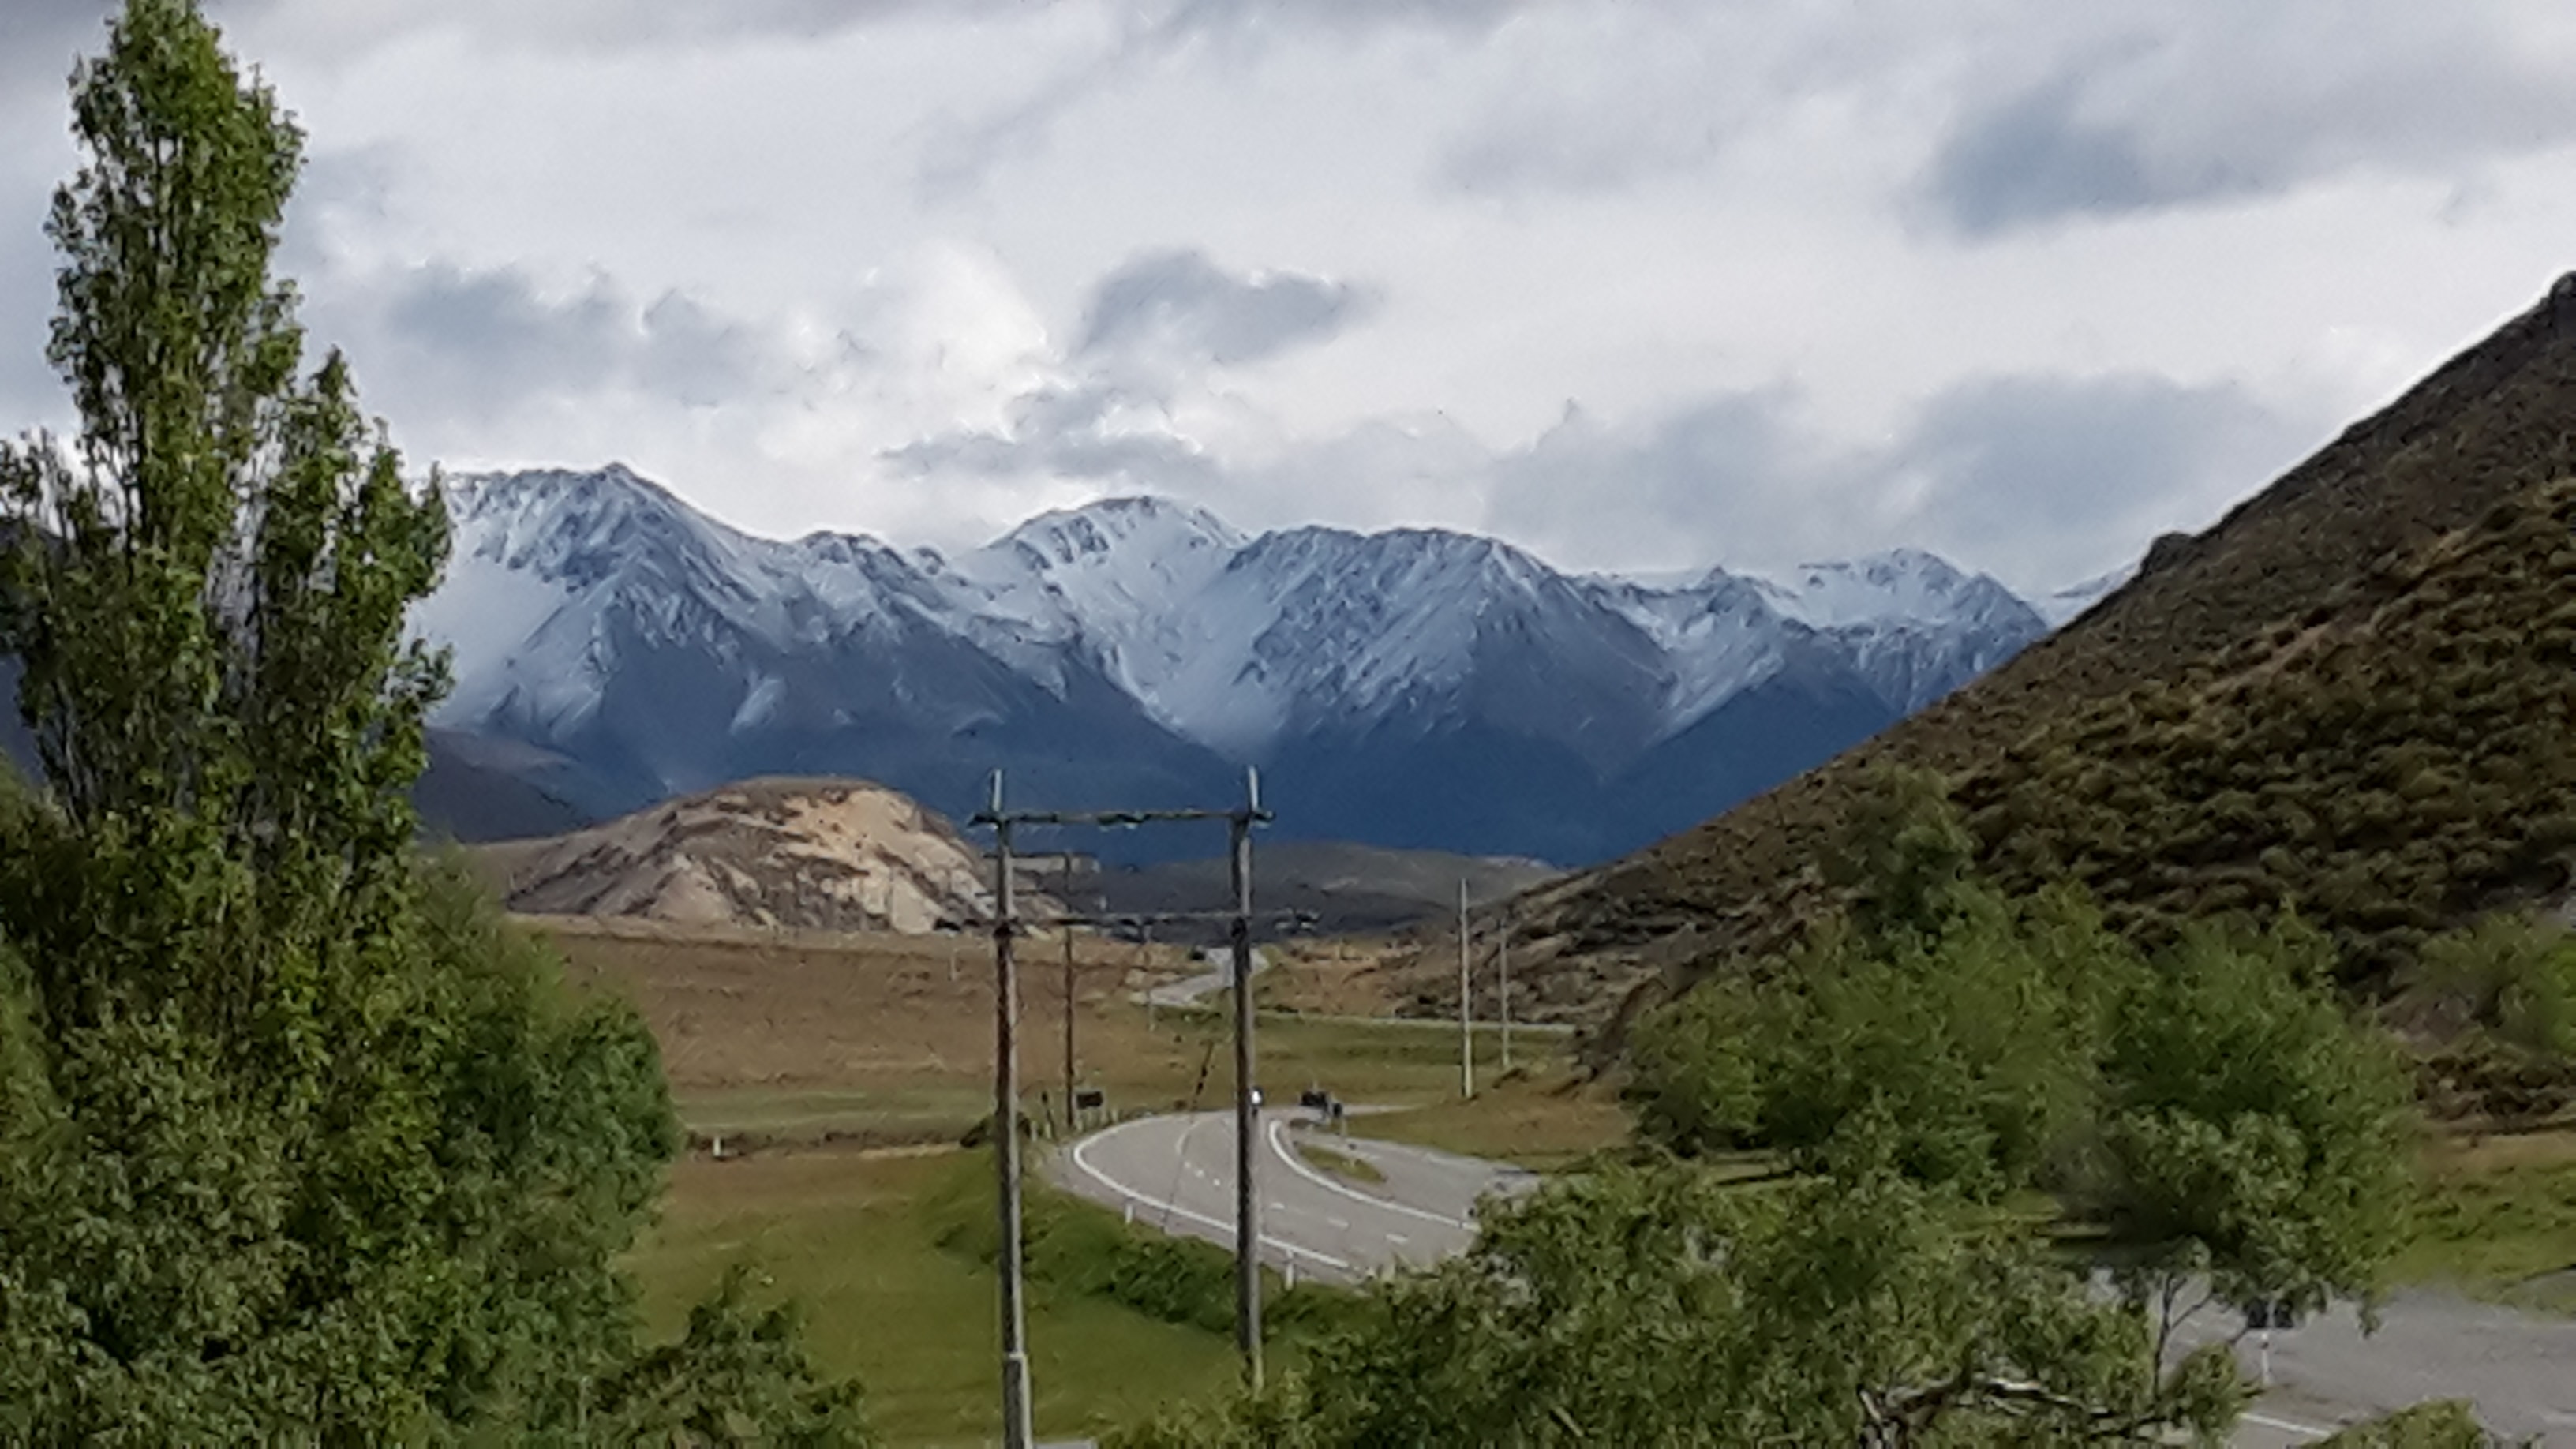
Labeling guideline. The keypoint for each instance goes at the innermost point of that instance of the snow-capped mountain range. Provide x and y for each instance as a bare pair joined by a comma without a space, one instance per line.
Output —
1410,687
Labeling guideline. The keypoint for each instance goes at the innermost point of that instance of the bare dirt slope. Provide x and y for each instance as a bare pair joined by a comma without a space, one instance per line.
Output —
827,855
2332,542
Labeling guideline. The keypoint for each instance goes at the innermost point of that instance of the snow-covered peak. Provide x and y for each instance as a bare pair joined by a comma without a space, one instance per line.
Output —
1902,586
1114,530
580,527
1235,644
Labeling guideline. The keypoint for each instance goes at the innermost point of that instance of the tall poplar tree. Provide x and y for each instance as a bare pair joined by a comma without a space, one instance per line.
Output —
297,1142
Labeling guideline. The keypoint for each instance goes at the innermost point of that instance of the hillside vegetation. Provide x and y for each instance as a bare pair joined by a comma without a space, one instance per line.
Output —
2352,694
2390,764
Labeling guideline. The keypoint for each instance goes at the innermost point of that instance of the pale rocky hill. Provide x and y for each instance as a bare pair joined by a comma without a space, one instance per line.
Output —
811,854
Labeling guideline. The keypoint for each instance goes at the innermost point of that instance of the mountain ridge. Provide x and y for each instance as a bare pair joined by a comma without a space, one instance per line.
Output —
1141,650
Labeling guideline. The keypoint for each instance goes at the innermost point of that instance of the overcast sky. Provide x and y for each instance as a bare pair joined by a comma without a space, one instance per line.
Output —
1638,284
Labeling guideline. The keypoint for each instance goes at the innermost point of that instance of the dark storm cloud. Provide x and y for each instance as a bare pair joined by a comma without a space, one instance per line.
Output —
481,344
2234,102
1178,303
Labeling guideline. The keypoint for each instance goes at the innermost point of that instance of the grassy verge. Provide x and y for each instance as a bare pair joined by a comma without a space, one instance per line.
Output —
1339,1164
857,1240
1544,1120
2498,1220
1079,1251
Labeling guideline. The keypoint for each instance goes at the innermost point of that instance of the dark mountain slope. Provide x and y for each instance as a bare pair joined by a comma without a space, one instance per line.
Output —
2330,544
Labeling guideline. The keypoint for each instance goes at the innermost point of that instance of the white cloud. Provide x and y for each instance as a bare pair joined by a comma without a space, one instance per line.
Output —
1813,278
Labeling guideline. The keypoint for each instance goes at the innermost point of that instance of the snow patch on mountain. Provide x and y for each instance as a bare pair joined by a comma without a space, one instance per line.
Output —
1235,644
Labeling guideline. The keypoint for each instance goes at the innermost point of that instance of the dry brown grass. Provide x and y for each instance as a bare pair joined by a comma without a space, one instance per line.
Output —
865,1039
1331,978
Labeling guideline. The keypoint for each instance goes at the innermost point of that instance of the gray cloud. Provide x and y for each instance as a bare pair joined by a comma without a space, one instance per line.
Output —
960,152
1202,16
39,39
30,392
2231,102
1150,323
2033,469
2033,158
1180,304
479,345
2040,478
1063,432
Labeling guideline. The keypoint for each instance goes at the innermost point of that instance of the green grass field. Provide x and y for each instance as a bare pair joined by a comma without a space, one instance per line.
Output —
2498,1220
856,1239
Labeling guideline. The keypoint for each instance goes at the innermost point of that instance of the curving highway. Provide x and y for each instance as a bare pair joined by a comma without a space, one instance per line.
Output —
1177,1173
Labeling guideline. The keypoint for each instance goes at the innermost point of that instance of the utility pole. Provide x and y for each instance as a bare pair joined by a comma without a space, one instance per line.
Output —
1247,1117
1247,1110
1466,1008
1503,964
1016,1430
1064,878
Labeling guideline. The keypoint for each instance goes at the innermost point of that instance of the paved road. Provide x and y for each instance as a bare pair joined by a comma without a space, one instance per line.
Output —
1177,1173
2518,1369
1190,990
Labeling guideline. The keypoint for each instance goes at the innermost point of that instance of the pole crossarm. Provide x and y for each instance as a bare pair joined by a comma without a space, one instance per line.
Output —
1115,819
1284,920
1016,1397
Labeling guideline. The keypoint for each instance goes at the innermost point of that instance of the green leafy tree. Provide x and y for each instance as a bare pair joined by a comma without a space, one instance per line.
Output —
1661,1307
1974,1021
2253,1126
298,1143
2218,1107
1902,856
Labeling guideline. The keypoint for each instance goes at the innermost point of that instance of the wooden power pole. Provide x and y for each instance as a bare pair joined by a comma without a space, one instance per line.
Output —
1016,1430
1006,1081
1466,1007
1247,1104
1064,878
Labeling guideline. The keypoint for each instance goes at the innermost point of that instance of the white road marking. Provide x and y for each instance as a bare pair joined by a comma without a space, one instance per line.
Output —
2287,1426
1297,1165
1176,1210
